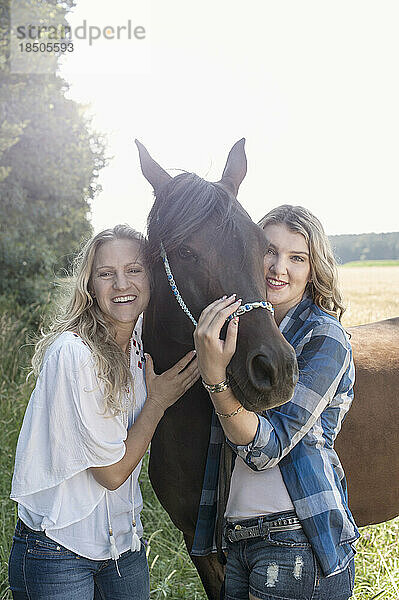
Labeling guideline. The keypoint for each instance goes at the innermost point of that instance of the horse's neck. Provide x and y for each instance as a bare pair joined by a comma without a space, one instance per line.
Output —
166,335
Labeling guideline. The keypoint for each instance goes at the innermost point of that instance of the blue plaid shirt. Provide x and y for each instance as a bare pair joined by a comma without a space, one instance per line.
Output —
299,437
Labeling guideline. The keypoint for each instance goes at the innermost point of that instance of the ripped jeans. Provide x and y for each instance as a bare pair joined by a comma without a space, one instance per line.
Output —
282,567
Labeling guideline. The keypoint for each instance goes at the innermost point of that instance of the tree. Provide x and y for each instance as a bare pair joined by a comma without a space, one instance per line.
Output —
49,163
366,246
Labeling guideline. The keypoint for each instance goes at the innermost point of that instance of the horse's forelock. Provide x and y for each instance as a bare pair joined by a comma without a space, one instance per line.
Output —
181,208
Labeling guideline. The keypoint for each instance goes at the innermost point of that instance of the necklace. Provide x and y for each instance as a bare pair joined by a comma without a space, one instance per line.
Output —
129,352
126,402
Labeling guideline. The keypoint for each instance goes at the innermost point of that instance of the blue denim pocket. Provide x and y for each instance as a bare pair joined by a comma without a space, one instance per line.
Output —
290,539
41,546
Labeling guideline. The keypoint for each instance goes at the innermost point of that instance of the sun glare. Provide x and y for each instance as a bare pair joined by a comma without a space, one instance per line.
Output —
304,86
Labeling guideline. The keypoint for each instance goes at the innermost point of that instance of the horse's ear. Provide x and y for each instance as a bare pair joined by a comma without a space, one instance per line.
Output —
151,170
236,167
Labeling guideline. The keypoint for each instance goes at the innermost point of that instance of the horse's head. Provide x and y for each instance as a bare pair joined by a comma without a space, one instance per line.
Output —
214,248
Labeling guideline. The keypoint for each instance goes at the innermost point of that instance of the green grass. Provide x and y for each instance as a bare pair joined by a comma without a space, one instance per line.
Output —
14,393
372,263
377,562
172,573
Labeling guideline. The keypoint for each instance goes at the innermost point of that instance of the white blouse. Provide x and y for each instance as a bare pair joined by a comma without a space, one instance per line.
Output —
65,431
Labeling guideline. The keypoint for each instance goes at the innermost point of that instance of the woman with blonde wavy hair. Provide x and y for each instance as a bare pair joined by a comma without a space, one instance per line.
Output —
87,426
323,283
288,529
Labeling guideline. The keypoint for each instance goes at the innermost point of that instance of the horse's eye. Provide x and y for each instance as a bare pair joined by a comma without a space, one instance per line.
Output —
185,252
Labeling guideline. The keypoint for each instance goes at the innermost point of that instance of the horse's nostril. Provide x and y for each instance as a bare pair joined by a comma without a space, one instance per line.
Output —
261,373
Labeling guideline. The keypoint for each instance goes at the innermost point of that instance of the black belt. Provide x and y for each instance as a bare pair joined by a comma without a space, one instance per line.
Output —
235,532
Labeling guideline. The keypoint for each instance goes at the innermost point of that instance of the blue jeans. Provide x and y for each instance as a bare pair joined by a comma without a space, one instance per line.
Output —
281,566
41,569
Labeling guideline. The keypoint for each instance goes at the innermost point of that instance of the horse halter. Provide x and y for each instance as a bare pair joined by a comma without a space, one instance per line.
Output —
240,311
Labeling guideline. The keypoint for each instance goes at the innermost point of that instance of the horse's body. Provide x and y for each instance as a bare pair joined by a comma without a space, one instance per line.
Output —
369,442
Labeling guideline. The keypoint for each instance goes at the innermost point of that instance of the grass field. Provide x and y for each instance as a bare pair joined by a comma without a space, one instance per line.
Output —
372,294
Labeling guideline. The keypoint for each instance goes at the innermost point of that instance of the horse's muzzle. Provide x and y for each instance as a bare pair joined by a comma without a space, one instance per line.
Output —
271,380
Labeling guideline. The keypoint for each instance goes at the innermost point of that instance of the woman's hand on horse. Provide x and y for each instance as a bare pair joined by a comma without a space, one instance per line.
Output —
163,390
213,353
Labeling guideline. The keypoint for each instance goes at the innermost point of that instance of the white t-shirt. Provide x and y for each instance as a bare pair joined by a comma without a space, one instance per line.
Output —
256,493
65,432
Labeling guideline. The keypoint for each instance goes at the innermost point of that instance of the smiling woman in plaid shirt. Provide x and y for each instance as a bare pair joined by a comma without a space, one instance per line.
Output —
289,531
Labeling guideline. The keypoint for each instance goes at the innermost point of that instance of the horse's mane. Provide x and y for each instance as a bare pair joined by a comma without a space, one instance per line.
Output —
182,206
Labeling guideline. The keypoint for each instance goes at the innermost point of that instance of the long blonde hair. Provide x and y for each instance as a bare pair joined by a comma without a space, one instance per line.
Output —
81,314
324,273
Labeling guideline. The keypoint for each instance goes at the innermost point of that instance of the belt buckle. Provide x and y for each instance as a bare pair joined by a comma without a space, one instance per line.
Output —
231,529
237,527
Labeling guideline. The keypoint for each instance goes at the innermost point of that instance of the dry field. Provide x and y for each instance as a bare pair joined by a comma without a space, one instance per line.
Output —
371,293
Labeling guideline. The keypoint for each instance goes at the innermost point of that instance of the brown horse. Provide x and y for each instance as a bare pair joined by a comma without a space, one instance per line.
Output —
214,249
368,444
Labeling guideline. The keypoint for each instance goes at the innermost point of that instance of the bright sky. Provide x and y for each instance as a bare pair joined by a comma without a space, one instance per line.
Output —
312,85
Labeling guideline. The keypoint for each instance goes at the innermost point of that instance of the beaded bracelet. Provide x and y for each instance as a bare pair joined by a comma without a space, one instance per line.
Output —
235,412
217,387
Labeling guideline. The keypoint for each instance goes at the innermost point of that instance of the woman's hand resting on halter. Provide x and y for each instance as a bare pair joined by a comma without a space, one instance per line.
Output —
213,353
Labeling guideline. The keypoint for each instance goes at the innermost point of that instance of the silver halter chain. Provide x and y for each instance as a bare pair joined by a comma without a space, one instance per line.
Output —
249,306
173,285
240,311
